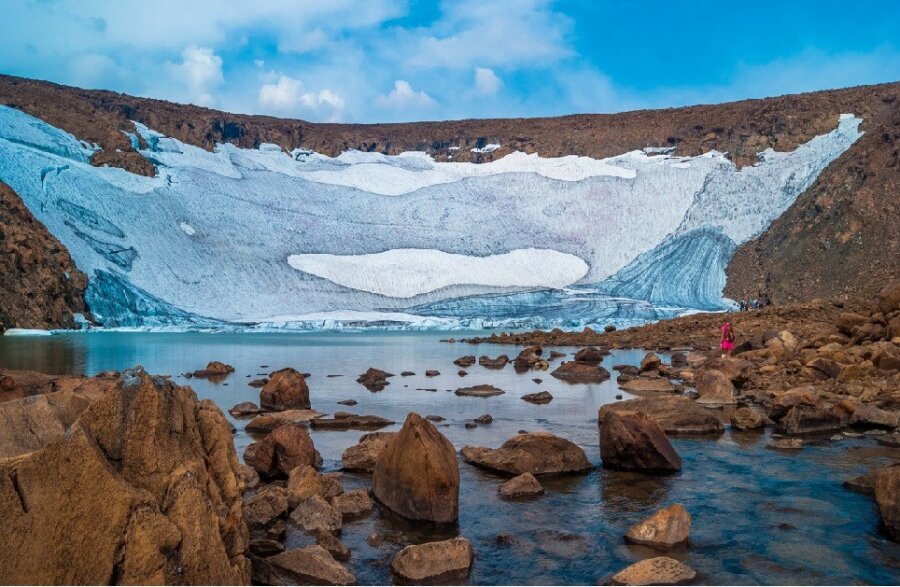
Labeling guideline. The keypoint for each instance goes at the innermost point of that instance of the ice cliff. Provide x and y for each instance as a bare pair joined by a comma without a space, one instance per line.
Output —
263,236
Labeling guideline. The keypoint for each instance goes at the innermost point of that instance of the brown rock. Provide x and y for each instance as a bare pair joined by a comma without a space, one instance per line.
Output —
362,457
636,442
244,409
352,504
648,385
530,358
803,419
285,390
574,372
524,485
263,547
466,361
314,513
677,415
821,368
746,418
265,506
345,421
887,499
432,373
258,382
864,484
214,369
542,397
714,388
847,321
335,547
666,528
479,391
267,422
284,448
312,565
650,362
889,298
591,355
305,482
416,475
147,476
448,561
489,363
868,416
661,570
374,379
538,453
786,444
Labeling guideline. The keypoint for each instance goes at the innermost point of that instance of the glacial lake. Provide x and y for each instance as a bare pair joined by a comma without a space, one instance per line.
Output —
759,516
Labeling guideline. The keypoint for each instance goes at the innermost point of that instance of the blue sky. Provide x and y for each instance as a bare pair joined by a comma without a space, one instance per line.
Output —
395,60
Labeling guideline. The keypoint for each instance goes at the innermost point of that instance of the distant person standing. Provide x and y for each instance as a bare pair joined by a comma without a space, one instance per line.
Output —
727,339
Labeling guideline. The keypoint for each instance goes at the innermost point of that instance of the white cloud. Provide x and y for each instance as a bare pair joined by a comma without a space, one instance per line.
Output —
486,82
201,72
287,96
404,96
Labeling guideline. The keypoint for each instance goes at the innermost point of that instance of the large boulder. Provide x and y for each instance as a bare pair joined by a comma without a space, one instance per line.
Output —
887,499
374,379
284,448
362,457
868,416
446,562
285,390
416,474
312,565
666,528
650,362
714,388
661,570
531,358
575,372
802,419
675,414
747,418
889,298
538,453
591,355
636,442
143,488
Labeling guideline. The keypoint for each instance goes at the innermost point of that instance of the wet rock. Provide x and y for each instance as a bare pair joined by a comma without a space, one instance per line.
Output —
868,416
714,388
345,421
747,418
496,363
864,484
636,442
591,355
305,482
648,385
803,419
556,355
348,402
335,547
314,513
679,359
574,372
281,450
609,328
538,453
258,382
666,528
270,421
265,506
542,397
887,499
312,565
677,415
448,561
213,370
416,474
406,373
362,456
484,419
783,401
244,409
352,504
462,373
466,361
650,362
530,358
661,570
148,475
524,485
786,444
374,379
470,425
285,390
479,391
627,369
890,440
432,373
433,418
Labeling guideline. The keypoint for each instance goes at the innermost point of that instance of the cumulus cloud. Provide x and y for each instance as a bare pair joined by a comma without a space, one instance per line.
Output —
286,95
404,96
486,82
201,72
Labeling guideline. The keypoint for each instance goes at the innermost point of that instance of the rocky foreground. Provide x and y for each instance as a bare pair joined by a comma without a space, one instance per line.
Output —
129,478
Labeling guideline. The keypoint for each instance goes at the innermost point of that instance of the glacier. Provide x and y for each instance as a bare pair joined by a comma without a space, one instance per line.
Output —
263,238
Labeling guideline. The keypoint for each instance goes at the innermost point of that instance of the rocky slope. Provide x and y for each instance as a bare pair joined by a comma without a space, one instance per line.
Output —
40,287
841,236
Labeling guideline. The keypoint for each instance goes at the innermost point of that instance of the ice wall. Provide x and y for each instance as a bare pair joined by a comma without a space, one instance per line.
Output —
259,235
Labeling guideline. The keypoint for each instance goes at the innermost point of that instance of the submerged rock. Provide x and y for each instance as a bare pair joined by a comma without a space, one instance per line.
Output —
416,474
147,475
312,565
479,391
636,442
575,372
466,361
285,390
489,363
272,420
538,453
374,379
244,409
542,397
666,528
591,355
345,421
213,370
524,485
661,570
448,561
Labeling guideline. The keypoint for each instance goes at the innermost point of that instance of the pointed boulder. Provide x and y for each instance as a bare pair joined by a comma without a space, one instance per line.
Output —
637,443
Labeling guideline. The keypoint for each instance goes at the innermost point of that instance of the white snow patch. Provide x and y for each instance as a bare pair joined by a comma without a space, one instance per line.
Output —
404,273
489,148
187,228
27,332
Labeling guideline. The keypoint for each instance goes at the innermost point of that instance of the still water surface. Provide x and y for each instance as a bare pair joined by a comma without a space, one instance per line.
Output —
759,516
